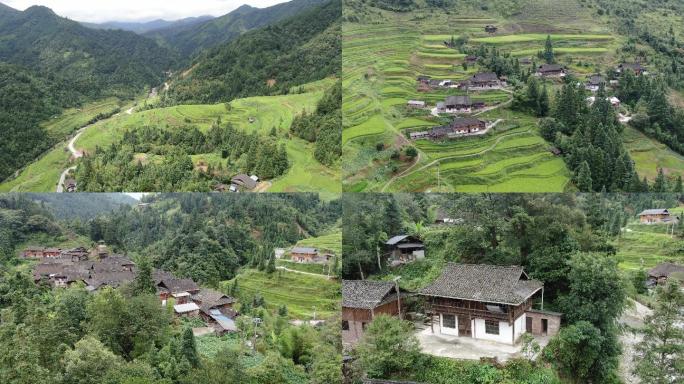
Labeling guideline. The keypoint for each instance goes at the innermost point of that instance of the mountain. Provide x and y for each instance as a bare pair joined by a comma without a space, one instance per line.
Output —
267,61
49,63
144,27
190,40
95,62
82,205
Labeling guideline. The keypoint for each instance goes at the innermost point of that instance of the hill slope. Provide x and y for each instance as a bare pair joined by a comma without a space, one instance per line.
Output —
150,26
192,39
267,61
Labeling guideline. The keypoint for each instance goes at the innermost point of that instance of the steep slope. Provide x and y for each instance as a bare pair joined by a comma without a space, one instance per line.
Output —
81,205
93,61
267,61
144,27
189,41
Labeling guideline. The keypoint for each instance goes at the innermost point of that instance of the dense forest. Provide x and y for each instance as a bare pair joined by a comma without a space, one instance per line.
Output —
189,40
83,206
123,336
115,169
323,126
267,61
564,240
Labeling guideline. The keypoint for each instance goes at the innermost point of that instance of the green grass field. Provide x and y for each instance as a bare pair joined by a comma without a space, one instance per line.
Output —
647,245
301,293
330,242
650,155
305,173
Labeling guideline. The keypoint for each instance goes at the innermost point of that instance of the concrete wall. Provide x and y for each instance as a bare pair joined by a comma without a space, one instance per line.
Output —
505,332
445,330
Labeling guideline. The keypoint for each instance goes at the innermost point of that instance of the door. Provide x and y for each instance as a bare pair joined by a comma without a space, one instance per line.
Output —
528,324
464,326
545,326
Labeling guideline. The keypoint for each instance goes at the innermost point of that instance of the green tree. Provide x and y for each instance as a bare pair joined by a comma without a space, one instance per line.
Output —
89,362
584,181
660,356
189,348
548,50
388,346
575,350
144,283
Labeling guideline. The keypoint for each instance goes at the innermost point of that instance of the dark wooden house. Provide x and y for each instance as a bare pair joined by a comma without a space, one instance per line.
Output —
486,80
659,274
487,302
362,301
636,68
551,70
491,28
458,104
404,249
655,216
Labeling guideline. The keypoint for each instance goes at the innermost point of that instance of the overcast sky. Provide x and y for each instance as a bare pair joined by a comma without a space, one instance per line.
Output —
98,11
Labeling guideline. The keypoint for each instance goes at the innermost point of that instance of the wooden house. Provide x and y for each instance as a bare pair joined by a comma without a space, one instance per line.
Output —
471,59
636,68
415,104
304,254
32,252
404,249
51,252
594,82
70,185
244,182
654,216
458,104
491,28
484,80
487,302
362,301
659,274
550,70
216,308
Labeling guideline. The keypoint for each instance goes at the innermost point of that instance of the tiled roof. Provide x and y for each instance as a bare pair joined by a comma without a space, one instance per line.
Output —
655,212
665,269
366,294
307,250
483,282
458,100
485,76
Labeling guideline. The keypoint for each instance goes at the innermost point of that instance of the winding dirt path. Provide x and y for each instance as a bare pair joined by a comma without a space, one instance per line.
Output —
303,273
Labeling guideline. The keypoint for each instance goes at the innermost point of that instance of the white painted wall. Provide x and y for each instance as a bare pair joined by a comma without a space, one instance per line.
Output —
505,331
446,330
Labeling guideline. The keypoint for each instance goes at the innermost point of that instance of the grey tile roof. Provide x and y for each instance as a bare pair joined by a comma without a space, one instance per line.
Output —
654,212
665,269
485,77
366,294
306,250
458,100
550,68
395,239
208,298
245,180
483,282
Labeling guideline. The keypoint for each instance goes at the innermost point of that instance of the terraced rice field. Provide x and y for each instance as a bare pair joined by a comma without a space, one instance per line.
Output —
650,155
381,61
303,294
646,245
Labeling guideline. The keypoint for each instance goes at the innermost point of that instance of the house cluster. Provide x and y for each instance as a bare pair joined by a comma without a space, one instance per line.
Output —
70,185
309,255
98,268
460,126
636,68
478,301
614,101
657,216
479,81
239,183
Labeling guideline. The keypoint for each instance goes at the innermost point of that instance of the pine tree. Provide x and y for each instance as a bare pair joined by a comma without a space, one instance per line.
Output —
143,283
189,348
584,181
548,50
543,103
660,184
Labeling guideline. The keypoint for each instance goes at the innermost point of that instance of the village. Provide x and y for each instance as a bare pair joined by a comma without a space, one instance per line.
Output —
465,105
98,268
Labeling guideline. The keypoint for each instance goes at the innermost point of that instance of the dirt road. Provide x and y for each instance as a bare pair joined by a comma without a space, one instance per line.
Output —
632,318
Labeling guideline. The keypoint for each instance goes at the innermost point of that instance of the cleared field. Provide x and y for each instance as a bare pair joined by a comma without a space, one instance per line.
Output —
75,118
527,37
302,294
331,242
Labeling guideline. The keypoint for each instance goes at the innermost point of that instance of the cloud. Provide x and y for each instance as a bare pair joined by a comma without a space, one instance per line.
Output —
138,10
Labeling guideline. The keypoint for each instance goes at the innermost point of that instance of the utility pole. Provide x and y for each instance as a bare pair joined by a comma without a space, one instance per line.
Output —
256,322
396,286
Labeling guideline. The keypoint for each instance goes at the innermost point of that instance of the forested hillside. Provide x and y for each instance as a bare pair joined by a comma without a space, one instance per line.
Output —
268,61
190,40
48,63
83,206
123,335
154,25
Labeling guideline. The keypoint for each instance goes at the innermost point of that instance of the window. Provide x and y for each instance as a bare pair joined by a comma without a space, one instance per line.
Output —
492,327
345,325
449,321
